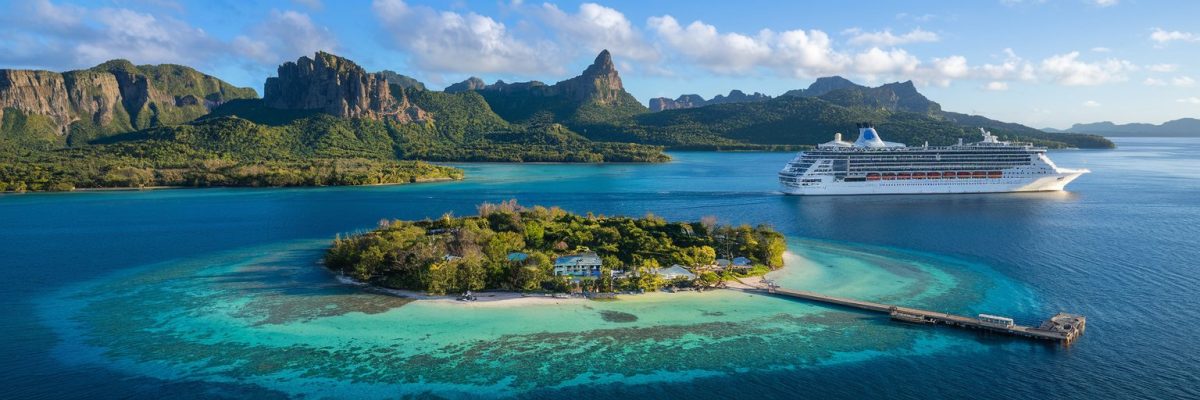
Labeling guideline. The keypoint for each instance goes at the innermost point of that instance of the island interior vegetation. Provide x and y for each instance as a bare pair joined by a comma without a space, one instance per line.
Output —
514,248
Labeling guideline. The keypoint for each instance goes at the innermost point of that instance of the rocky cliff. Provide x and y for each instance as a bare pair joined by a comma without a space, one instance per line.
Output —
337,86
113,97
694,100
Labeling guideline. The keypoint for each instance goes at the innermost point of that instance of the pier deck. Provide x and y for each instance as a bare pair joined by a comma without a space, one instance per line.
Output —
1062,328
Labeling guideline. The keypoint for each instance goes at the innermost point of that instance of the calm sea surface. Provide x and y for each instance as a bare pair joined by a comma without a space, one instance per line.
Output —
216,292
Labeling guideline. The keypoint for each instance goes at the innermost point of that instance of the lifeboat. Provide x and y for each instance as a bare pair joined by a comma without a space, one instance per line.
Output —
979,174
963,175
889,176
995,174
873,176
934,175
948,175
903,175
918,175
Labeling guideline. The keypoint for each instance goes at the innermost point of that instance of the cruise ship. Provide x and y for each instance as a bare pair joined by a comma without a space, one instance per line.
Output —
870,165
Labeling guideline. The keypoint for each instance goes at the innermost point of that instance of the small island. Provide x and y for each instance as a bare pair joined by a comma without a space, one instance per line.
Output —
508,247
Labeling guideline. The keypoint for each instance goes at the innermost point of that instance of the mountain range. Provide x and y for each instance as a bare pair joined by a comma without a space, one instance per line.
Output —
694,100
1183,127
325,108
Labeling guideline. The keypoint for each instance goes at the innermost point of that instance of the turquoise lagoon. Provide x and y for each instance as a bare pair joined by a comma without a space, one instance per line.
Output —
216,292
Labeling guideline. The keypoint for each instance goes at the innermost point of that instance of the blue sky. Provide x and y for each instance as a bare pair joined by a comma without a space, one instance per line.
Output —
1045,63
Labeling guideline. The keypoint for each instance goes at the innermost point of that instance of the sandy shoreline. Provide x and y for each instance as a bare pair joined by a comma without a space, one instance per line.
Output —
507,299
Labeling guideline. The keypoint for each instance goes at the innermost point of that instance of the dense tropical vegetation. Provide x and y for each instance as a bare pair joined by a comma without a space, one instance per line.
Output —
451,254
218,152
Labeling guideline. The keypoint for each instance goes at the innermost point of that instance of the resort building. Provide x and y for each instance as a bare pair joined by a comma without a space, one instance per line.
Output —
578,265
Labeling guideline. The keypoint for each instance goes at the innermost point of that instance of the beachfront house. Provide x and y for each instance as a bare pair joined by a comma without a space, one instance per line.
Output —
676,271
741,263
578,265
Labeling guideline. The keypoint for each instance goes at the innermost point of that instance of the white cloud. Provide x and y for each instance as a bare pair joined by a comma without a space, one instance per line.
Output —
996,86
144,38
1189,100
1162,37
1091,104
284,36
804,53
796,53
876,62
952,67
719,52
451,42
1105,3
1101,50
1162,67
1066,69
886,38
1183,81
599,27
1154,82
1014,67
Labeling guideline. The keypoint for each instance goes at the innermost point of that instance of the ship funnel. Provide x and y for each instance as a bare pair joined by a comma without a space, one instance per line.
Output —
868,137
837,137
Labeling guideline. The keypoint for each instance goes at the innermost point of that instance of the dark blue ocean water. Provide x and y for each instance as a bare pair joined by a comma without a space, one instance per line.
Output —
1119,247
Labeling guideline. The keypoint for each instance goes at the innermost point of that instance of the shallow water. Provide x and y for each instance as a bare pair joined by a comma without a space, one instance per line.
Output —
216,292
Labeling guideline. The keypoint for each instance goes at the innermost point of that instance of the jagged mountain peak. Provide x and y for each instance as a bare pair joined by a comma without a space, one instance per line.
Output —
602,66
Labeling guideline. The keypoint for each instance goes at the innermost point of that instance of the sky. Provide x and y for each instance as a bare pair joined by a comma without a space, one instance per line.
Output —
1043,63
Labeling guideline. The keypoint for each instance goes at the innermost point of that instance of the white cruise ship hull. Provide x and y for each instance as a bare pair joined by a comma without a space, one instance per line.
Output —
1044,183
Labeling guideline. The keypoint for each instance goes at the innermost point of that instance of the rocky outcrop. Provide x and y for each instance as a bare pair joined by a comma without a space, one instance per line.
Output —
694,100
115,96
339,87
36,92
472,83
599,83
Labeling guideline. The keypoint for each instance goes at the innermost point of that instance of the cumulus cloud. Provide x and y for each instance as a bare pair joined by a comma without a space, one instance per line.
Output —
1183,81
1091,104
598,27
1067,69
1163,37
1189,100
719,52
1105,3
876,61
284,36
1012,68
795,53
63,37
447,41
1154,82
996,86
886,38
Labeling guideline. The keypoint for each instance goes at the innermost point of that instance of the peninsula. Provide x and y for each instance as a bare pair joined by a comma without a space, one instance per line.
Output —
509,247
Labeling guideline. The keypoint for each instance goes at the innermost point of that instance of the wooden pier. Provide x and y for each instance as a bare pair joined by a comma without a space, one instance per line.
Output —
1062,328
